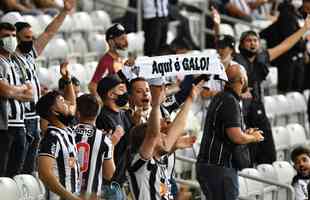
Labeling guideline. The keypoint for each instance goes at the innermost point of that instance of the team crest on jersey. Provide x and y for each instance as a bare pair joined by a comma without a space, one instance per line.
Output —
53,149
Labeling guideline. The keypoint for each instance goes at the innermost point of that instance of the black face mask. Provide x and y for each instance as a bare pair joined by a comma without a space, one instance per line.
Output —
25,46
247,53
122,100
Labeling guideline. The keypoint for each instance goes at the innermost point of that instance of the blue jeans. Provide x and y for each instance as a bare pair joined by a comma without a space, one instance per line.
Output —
113,192
33,135
218,183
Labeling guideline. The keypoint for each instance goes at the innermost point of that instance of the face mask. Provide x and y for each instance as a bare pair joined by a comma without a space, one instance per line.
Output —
66,120
122,100
123,53
25,46
247,53
9,44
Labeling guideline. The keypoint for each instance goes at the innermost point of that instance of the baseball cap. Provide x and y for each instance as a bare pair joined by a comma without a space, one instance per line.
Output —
115,31
226,41
107,83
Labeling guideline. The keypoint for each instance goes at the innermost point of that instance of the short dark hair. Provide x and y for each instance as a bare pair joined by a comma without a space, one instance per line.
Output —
7,26
21,25
132,82
87,105
43,106
246,34
298,151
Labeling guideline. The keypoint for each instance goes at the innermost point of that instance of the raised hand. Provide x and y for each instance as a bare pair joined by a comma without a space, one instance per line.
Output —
185,141
117,135
64,70
158,94
196,90
215,16
69,5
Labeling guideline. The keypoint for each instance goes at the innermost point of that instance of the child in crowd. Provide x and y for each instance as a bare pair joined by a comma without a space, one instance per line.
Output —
301,158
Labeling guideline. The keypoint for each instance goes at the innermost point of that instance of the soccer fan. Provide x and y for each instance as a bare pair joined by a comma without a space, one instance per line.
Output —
57,160
95,148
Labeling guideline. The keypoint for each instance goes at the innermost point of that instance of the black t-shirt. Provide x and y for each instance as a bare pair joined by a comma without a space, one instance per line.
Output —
224,112
109,120
257,70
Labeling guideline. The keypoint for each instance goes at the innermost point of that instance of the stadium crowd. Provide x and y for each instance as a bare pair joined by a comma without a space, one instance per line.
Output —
118,141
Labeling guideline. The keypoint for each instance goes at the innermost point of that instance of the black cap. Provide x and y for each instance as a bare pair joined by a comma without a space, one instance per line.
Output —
226,41
107,83
115,31
246,34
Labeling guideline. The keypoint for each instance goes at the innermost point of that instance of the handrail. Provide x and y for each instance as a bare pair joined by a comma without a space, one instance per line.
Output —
289,188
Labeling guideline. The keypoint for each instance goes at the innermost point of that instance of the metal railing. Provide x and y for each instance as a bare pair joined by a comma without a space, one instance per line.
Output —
194,184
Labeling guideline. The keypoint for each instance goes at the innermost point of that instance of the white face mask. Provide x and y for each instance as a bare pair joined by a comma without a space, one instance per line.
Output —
9,44
123,53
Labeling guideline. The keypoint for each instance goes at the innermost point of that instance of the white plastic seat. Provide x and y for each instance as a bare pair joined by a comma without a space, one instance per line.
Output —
281,140
101,20
282,110
77,44
240,28
9,189
79,71
53,76
297,135
12,17
285,173
57,48
243,191
116,11
268,172
35,24
254,188
135,42
227,29
270,105
29,187
82,22
97,43
67,25
299,107
44,21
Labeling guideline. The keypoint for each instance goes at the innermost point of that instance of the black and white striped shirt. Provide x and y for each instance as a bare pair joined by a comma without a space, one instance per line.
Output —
30,65
155,8
16,75
149,179
60,145
93,148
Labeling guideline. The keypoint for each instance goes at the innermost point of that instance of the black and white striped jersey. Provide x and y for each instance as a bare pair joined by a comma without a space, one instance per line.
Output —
30,65
93,148
149,179
15,75
60,145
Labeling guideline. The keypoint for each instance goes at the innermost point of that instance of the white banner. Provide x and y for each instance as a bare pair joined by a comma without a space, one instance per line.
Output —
185,64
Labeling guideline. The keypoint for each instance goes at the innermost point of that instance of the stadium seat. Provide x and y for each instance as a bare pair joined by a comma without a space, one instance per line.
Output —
240,28
271,82
9,189
79,71
135,43
56,49
306,94
262,23
44,21
270,105
67,25
90,68
268,172
243,192
77,45
285,173
35,24
297,135
255,189
82,22
101,20
281,140
29,187
53,76
97,43
299,107
282,110
227,29
115,11
12,17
